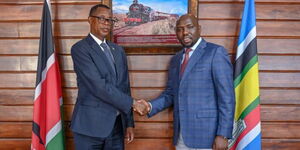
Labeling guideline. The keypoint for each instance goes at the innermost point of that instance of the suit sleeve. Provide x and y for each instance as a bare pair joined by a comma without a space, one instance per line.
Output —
130,121
223,81
88,75
165,100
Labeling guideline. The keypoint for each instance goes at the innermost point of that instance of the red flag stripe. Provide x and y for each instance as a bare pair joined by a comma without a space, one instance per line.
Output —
50,97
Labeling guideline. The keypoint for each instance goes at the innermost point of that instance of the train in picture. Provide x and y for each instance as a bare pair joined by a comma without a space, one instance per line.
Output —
139,13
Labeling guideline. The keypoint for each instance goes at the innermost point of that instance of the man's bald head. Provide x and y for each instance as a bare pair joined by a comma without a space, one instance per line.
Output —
190,16
188,30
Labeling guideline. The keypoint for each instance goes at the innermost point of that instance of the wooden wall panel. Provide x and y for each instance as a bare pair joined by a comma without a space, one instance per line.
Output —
264,28
25,96
143,63
278,30
145,79
59,12
157,144
151,129
16,96
15,144
19,46
280,144
264,11
269,113
225,28
63,46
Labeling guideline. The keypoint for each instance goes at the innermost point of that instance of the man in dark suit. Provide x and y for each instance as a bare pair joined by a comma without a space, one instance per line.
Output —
103,110
200,87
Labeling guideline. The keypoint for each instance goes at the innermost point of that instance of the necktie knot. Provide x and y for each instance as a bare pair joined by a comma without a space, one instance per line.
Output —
188,50
107,51
104,46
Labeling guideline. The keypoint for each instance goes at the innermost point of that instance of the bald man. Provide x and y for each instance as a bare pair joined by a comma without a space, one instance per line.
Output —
200,88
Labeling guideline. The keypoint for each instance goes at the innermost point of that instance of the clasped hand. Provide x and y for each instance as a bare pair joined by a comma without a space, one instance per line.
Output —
142,107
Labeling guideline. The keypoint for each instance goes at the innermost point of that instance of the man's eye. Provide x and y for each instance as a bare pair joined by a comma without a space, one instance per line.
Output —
179,29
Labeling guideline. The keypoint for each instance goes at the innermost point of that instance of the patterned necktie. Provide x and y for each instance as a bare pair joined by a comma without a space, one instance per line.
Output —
185,61
109,55
111,60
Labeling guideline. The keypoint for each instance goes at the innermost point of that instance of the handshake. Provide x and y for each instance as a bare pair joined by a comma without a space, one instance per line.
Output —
142,107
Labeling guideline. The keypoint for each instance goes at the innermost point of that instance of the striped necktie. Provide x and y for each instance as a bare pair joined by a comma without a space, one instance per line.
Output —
185,61
108,55
111,60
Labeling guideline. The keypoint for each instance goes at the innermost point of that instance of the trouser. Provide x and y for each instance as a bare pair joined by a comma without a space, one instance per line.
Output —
115,141
181,146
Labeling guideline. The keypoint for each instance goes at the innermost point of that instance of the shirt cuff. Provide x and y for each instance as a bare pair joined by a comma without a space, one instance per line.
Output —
150,107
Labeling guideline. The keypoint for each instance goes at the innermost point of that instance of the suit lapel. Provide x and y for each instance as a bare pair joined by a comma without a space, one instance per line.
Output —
194,59
96,49
178,64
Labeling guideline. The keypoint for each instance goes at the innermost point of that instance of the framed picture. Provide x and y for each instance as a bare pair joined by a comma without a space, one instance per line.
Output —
148,22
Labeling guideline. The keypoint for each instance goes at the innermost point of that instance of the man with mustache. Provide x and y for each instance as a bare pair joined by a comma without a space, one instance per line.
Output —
103,111
200,88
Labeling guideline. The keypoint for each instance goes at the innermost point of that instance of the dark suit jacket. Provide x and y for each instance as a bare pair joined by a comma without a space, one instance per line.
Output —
203,98
101,93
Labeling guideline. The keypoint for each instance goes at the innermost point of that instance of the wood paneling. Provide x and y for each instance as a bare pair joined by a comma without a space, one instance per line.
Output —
264,28
64,11
278,46
280,96
146,79
157,130
16,97
19,46
8,30
279,79
80,11
225,28
145,63
25,96
264,11
19,80
268,113
150,144
278,30
15,144
280,130
280,144
63,46
142,130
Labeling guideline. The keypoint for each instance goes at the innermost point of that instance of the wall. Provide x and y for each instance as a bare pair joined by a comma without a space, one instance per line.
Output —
278,30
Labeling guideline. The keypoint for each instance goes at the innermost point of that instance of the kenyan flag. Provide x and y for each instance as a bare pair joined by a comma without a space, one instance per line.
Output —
47,131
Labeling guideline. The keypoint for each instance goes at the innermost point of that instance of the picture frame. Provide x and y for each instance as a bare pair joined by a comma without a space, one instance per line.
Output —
134,47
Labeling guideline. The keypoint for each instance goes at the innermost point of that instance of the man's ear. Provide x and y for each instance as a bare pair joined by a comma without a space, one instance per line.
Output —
90,20
199,29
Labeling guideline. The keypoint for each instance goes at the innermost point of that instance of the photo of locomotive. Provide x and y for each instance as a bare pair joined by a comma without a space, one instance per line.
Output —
147,22
139,13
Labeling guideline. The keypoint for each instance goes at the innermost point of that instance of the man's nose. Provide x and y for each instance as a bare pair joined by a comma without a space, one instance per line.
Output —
185,31
106,22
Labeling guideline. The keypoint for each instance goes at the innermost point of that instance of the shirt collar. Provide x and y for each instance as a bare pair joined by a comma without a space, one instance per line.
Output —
98,41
